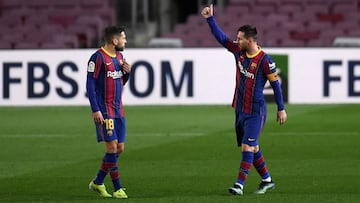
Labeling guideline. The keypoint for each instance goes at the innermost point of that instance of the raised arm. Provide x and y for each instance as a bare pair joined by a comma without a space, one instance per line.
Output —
208,14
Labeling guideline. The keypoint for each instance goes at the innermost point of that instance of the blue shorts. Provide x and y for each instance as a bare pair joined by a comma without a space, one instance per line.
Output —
249,126
111,129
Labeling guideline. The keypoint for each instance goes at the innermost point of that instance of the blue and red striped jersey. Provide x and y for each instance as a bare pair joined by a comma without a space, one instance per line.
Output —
252,72
105,81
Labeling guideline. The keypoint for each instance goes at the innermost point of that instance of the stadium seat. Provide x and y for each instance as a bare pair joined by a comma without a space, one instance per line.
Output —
38,36
94,22
65,4
196,20
290,8
39,5
5,45
26,45
12,4
86,36
347,26
70,41
11,20
331,17
62,18
317,2
319,26
354,33
304,35
209,42
274,38
344,8
5,30
241,2
292,26
277,18
12,37
264,9
270,43
54,16
237,10
319,42
191,42
52,45
51,29
25,28
292,43
316,9
329,37
92,4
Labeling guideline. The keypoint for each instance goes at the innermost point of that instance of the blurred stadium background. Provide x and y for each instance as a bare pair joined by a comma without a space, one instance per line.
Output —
42,24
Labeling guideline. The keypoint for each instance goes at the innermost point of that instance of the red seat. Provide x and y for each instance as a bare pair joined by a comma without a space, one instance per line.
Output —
65,4
69,41
5,45
331,17
347,26
304,35
13,4
26,45
94,22
286,42
52,45
11,20
84,33
319,26
39,4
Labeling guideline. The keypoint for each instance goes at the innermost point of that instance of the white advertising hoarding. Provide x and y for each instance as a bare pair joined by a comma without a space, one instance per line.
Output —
160,76
174,76
324,75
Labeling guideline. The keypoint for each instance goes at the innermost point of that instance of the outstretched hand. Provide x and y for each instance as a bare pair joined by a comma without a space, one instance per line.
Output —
208,11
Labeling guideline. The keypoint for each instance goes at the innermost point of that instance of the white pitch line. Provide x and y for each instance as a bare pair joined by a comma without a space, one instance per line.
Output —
171,134
314,133
33,135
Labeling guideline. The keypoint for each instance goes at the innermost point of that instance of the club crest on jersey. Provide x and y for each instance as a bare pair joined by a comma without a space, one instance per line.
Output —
91,67
253,66
245,72
114,74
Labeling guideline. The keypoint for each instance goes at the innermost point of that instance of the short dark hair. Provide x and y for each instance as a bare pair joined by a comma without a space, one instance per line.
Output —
249,31
111,31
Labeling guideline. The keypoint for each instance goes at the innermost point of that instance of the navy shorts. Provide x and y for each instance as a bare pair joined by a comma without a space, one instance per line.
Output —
111,129
249,126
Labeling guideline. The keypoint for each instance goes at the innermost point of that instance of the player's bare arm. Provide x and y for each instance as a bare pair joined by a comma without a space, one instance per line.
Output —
208,11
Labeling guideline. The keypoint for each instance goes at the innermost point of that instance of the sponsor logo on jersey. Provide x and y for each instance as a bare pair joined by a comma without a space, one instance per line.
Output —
245,72
114,74
91,67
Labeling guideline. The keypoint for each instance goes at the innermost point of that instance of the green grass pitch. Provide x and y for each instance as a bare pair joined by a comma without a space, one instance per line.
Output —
180,154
